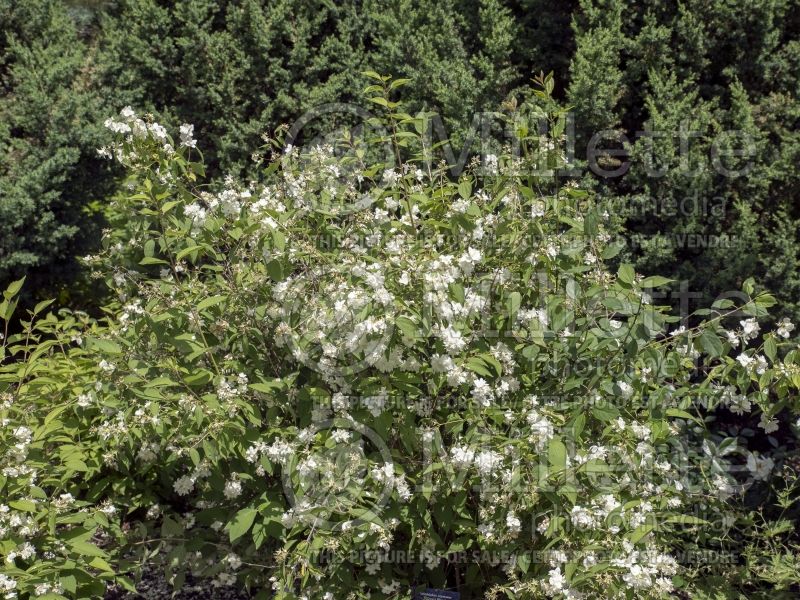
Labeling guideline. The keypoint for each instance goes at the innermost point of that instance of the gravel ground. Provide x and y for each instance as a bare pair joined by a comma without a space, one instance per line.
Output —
154,587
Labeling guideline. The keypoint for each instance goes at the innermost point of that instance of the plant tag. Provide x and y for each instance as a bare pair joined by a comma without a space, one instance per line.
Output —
437,595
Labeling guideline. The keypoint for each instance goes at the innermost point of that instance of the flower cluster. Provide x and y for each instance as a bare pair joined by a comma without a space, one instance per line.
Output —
353,359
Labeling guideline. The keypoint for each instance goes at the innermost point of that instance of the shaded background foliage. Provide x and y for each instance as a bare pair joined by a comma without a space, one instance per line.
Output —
237,69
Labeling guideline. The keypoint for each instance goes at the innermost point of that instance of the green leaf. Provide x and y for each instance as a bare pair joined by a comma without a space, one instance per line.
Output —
686,520
478,366
578,425
105,346
765,300
186,252
170,527
69,583
569,491
711,343
681,414
99,563
523,562
266,387
557,455
86,548
770,348
655,281
611,250
590,223
605,412
76,464
259,535
275,270
637,534
513,303
241,523
150,260
14,288
408,328
626,274
211,301
465,188
23,505
202,377
42,305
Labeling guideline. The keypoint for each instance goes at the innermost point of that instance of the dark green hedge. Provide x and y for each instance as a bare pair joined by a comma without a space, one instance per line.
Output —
239,69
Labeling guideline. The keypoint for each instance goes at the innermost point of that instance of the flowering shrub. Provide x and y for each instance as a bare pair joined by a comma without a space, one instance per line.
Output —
347,380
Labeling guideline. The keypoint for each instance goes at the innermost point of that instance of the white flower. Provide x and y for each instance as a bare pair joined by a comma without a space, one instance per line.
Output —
183,485
147,452
768,424
187,136
750,328
441,363
581,517
196,213
513,523
556,582
543,525
785,328
482,392
487,462
541,428
117,126
468,260
42,589
641,431
234,562
638,577
157,131
759,467
7,584
461,456
26,551
389,588
722,486
534,314
23,434
390,176
625,388
233,489
733,340
453,340
340,436
108,509
490,162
